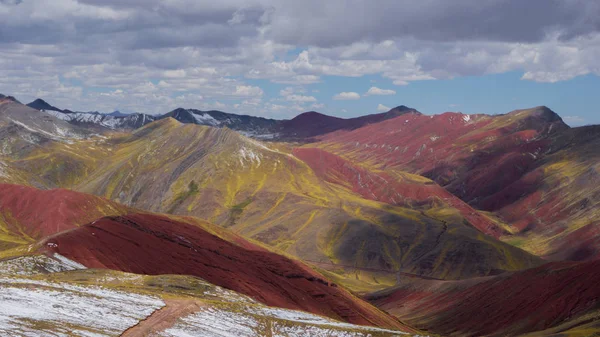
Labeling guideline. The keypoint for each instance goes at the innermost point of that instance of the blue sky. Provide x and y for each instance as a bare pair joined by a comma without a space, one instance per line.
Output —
576,100
279,58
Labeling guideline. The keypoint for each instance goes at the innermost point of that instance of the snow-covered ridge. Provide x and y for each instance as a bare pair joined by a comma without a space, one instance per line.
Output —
107,121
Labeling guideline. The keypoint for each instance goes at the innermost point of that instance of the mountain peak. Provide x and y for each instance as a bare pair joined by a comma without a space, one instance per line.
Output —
546,113
402,109
117,113
40,101
541,114
40,104
313,116
539,118
181,115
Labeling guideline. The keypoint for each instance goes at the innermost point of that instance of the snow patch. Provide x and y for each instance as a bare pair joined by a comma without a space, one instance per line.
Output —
108,121
466,118
57,114
68,263
38,264
221,322
205,119
258,135
247,155
55,136
41,308
3,170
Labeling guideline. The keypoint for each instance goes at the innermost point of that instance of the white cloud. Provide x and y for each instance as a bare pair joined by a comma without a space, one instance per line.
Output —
380,92
247,91
346,96
72,51
286,91
289,93
300,98
383,108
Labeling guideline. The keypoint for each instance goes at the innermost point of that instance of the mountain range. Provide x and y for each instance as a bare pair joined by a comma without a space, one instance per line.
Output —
301,128
386,224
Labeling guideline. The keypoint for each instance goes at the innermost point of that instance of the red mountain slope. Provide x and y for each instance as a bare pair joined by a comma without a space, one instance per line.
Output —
26,211
153,244
473,156
505,305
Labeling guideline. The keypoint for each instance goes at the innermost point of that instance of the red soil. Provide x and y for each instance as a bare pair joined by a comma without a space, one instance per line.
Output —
152,244
472,156
508,304
582,244
40,213
384,188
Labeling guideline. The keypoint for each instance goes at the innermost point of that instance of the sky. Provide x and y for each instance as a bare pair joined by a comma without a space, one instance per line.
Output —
279,58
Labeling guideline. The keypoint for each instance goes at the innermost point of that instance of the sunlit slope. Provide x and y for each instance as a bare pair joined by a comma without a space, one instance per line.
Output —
277,199
28,214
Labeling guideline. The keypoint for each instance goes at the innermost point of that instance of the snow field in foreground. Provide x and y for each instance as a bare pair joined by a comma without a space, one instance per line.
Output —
39,308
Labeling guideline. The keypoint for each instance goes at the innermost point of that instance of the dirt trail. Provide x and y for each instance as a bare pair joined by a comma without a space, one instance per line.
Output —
164,317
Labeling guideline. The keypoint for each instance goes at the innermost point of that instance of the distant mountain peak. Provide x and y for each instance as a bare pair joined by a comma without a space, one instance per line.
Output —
402,109
40,104
40,101
117,113
182,115
311,115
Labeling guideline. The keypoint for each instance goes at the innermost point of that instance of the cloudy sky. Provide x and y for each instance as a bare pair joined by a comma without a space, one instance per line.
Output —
277,58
